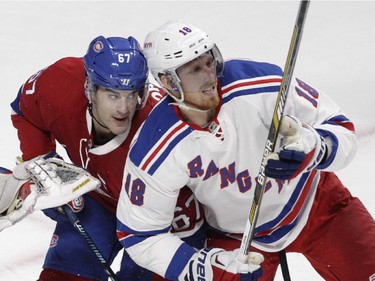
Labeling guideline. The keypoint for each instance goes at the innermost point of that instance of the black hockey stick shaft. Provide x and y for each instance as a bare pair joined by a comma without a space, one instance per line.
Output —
284,265
275,125
77,225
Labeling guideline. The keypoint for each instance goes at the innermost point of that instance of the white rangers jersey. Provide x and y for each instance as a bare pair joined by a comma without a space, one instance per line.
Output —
220,164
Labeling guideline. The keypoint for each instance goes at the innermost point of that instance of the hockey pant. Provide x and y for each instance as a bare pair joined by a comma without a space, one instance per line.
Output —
69,253
338,239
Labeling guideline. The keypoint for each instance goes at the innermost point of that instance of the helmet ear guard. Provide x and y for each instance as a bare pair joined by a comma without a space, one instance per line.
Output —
174,83
142,96
90,88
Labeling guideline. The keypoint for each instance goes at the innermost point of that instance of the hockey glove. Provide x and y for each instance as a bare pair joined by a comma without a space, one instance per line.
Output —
220,265
59,182
53,183
302,150
17,198
20,171
18,194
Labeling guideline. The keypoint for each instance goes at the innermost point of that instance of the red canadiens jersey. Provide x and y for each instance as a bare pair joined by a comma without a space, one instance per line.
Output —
52,106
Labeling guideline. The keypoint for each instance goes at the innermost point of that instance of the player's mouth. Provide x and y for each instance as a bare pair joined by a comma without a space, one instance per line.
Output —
120,120
209,90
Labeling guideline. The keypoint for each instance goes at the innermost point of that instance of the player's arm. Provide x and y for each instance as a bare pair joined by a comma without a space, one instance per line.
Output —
34,137
315,133
145,214
188,221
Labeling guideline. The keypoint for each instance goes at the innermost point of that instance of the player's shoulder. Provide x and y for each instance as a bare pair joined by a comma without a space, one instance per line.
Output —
155,93
59,87
160,120
73,66
240,69
159,134
57,76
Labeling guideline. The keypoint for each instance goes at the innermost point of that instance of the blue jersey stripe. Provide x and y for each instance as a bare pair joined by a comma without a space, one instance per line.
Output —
236,70
153,130
277,234
168,149
288,208
15,105
179,261
251,92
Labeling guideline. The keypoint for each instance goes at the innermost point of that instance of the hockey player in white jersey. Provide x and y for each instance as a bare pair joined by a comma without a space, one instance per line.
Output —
209,134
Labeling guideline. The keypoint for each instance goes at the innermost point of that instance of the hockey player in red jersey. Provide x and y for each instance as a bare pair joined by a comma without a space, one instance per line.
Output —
92,106
209,133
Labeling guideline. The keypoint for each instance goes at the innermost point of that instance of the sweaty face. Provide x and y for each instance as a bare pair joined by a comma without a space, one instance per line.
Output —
114,109
199,82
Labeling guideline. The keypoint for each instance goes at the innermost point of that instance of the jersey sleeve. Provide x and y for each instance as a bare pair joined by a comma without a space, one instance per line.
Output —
314,107
145,214
304,101
42,100
34,139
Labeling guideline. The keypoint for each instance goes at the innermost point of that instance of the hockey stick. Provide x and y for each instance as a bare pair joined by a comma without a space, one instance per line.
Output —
284,265
274,129
77,224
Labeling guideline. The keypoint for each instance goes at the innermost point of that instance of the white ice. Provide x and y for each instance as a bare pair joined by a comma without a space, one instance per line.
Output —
337,55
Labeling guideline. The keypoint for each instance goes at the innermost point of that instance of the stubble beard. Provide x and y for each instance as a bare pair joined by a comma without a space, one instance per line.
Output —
204,103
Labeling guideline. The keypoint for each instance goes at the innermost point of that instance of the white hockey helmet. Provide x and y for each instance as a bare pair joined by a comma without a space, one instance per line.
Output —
174,44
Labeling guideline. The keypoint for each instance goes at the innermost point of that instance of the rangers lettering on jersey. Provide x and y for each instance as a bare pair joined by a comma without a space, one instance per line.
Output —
228,174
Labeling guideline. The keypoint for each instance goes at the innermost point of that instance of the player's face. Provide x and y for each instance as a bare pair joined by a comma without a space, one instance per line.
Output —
114,109
199,82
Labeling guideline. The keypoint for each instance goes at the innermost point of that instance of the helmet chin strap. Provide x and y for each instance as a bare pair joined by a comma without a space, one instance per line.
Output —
92,115
180,102
89,89
183,105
